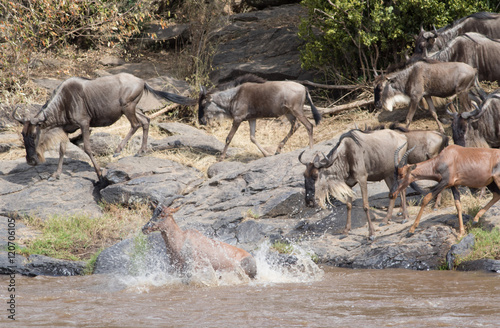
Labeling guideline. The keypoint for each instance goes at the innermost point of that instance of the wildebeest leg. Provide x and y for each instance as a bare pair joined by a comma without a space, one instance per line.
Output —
392,203
349,212
458,205
86,147
309,128
293,128
234,127
432,109
366,206
136,120
253,125
62,151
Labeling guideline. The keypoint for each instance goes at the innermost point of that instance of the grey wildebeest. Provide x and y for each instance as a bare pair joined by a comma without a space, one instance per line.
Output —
484,23
422,79
79,103
454,166
249,97
481,127
192,250
474,49
358,157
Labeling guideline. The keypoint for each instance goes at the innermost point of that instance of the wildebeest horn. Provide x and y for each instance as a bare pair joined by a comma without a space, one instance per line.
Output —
435,31
396,154
476,112
300,158
16,116
448,111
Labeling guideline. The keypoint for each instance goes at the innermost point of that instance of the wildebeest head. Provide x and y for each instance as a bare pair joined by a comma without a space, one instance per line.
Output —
31,137
311,175
425,41
402,172
460,123
386,94
160,215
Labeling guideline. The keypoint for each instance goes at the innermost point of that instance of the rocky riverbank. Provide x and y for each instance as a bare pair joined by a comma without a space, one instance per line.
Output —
244,203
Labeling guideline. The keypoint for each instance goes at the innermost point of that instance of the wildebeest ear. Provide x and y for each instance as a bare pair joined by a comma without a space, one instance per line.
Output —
34,121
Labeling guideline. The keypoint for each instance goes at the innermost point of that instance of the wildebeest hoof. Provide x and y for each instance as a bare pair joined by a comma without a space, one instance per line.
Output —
342,237
382,224
475,223
409,234
404,221
371,238
116,154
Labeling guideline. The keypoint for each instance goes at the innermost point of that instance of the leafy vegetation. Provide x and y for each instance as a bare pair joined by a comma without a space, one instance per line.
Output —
349,39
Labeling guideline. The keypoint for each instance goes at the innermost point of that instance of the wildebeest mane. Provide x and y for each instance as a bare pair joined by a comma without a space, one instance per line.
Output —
240,80
348,134
407,63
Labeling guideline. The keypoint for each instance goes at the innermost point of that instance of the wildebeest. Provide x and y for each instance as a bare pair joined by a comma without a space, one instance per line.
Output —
80,103
422,79
454,166
358,157
484,23
190,249
249,98
481,127
476,50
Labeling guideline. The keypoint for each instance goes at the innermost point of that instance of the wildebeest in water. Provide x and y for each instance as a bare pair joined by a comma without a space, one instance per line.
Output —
80,103
250,97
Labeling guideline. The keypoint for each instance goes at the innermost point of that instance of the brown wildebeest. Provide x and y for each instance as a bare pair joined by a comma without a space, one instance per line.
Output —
423,79
358,157
484,23
474,49
79,103
191,249
454,166
250,97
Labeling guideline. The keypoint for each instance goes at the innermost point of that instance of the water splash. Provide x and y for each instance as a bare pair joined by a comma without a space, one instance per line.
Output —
272,267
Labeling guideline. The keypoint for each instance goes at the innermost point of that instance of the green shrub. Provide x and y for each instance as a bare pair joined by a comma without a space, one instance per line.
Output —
348,39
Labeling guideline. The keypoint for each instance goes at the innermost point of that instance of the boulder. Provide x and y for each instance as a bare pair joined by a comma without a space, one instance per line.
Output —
488,265
460,250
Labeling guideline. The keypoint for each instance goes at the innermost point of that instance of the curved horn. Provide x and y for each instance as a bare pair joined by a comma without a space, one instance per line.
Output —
16,116
448,111
404,159
300,158
396,154
477,111
435,31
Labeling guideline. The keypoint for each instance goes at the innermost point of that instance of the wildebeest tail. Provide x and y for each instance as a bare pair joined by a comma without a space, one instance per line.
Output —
170,96
316,114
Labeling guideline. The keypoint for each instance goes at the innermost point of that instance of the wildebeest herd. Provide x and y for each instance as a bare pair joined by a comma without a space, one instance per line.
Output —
448,62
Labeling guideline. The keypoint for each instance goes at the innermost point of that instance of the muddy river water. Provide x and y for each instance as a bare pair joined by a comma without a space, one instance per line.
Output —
309,297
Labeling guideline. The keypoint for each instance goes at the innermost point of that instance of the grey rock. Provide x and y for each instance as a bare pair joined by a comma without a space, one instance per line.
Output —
260,4
488,265
111,61
143,179
462,249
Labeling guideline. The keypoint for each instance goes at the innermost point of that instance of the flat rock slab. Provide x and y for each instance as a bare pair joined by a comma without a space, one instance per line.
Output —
143,179
185,136
25,190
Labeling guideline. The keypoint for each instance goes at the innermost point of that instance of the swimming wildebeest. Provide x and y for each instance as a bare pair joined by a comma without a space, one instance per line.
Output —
422,79
484,23
79,103
454,166
358,157
249,98
190,249
474,49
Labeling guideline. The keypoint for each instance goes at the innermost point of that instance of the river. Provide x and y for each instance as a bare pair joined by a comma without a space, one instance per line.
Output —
311,296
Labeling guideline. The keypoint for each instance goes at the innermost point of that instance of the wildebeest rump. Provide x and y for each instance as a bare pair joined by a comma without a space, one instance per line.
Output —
358,157
476,50
484,23
422,79
190,249
79,103
249,98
